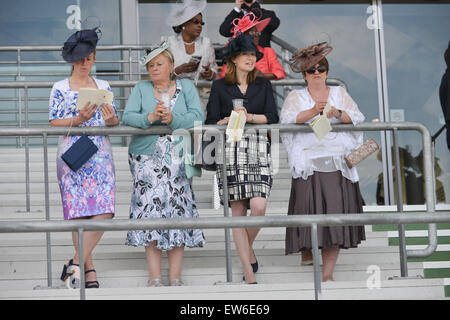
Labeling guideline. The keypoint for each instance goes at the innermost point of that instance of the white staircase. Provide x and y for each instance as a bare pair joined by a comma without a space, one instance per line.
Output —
122,270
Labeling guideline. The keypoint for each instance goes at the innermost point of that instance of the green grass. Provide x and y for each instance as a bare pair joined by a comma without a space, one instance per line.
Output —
418,240
394,227
436,273
436,256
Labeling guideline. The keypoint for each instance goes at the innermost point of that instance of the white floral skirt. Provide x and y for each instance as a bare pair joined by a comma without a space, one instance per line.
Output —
162,190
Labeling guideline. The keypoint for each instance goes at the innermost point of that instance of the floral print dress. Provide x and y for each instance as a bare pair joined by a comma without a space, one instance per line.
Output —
91,189
162,190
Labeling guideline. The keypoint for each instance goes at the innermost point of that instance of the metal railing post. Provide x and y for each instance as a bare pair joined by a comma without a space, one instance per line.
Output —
81,263
429,196
47,211
316,263
226,212
399,194
27,153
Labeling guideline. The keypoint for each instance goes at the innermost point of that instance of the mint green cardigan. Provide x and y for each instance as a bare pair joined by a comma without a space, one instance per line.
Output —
142,101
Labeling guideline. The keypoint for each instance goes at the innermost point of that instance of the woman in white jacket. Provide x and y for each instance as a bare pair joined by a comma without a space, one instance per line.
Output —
322,183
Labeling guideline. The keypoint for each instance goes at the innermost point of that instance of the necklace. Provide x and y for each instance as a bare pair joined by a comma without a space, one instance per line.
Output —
189,43
163,90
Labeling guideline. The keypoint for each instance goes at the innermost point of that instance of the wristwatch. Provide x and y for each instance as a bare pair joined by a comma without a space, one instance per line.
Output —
340,114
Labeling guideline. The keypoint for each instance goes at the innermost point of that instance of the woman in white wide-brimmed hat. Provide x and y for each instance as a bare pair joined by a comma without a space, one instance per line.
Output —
194,55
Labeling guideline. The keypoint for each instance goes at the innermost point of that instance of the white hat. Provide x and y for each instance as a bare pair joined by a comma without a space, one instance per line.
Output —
185,12
153,52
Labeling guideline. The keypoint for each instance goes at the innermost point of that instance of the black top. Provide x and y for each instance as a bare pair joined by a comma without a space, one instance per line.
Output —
266,34
258,99
444,93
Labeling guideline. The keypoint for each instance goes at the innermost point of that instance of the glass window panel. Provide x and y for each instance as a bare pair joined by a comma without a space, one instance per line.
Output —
416,37
49,23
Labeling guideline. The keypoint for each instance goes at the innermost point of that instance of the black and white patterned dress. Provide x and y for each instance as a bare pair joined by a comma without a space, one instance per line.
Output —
162,190
249,168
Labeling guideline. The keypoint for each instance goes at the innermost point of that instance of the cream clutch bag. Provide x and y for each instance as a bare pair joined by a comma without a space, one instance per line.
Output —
361,153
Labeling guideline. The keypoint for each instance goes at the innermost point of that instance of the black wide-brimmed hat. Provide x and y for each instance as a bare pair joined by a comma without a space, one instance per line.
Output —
80,44
242,43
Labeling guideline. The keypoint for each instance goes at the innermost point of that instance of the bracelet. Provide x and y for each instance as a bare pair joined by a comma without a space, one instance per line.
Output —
340,114
253,118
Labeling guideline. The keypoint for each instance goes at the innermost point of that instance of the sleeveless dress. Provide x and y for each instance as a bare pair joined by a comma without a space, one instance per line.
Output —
91,189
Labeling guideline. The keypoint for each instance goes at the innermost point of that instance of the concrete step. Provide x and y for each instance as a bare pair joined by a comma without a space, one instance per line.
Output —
134,258
204,184
345,290
9,200
208,276
113,241
122,211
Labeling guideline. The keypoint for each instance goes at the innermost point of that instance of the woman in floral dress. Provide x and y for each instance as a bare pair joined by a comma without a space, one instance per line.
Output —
160,186
89,192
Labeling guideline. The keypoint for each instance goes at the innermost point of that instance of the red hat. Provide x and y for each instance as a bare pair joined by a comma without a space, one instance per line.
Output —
247,22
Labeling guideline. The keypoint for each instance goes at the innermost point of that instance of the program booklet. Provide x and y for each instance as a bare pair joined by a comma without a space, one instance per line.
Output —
94,96
236,125
321,125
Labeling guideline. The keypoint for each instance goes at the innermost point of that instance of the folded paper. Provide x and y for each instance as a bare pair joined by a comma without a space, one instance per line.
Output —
93,96
321,125
236,125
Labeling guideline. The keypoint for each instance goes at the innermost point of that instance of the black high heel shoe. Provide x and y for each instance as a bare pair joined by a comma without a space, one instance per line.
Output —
91,284
69,272
255,265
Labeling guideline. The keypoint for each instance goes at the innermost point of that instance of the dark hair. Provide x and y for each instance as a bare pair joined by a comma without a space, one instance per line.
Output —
322,62
177,29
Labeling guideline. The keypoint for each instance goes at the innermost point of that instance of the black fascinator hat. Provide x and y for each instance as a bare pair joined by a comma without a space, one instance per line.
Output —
242,43
80,44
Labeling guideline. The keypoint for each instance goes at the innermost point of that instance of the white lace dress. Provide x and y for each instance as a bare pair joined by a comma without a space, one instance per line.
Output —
306,153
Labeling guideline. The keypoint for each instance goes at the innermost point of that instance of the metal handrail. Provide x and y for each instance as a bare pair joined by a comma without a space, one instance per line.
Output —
131,83
275,129
312,221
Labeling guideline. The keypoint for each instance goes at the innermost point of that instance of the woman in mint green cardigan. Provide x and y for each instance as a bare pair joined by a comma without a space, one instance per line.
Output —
160,186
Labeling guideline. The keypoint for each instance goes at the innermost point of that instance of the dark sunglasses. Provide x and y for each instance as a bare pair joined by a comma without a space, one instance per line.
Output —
254,33
321,69
195,21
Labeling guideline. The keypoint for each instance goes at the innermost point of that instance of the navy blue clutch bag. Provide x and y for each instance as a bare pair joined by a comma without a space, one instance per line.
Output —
80,152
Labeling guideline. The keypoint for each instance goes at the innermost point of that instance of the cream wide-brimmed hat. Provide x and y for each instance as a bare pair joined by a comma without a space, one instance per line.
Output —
182,13
153,52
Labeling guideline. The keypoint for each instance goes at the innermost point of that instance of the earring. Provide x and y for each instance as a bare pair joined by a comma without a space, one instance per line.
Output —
183,27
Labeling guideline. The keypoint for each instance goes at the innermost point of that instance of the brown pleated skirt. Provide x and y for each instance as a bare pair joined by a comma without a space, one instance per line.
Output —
324,193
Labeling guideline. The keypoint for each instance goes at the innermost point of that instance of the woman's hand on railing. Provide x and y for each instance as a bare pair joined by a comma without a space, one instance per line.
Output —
223,121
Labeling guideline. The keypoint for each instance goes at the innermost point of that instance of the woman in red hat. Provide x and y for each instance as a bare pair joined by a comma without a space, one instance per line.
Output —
268,67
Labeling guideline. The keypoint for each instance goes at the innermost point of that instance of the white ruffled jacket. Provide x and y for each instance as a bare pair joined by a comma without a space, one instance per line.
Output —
306,153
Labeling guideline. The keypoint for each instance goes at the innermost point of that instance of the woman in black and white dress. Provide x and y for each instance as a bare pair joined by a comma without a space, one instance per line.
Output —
249,165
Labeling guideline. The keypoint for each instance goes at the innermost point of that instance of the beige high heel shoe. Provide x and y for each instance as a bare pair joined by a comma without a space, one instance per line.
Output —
155,282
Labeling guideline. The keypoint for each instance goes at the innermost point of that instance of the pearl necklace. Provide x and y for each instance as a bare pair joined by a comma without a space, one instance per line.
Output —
189,43
163,90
